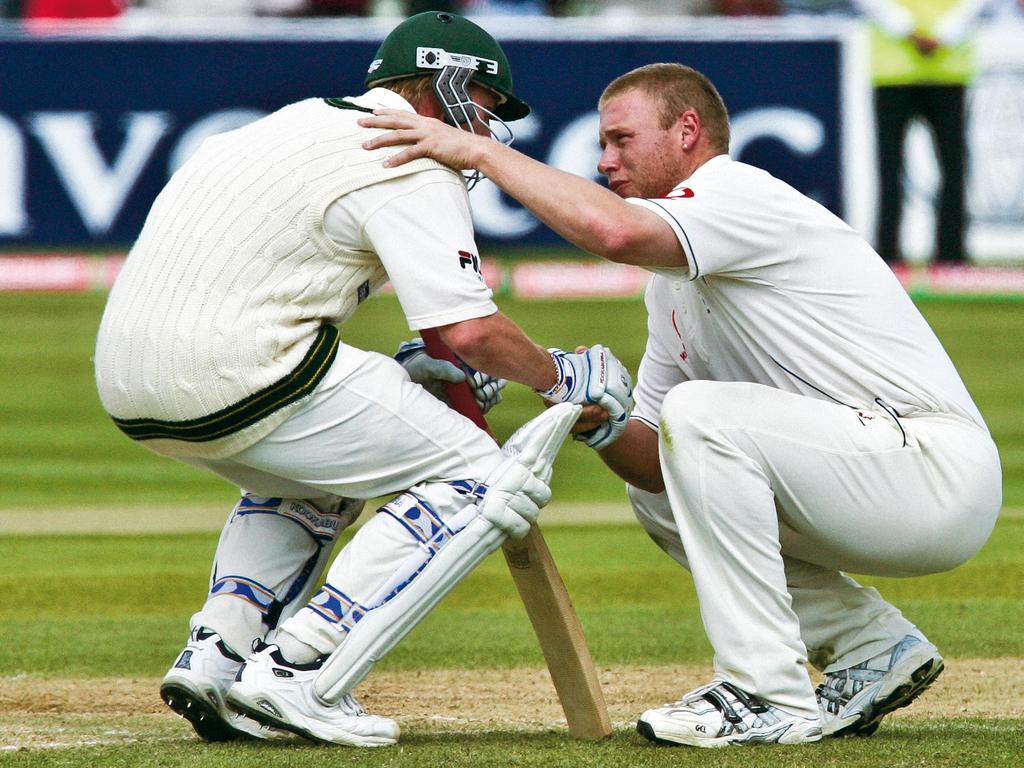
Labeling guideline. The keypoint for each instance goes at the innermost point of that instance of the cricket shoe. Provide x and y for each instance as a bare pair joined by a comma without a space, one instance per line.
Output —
280,694
853,701
195,687
719,714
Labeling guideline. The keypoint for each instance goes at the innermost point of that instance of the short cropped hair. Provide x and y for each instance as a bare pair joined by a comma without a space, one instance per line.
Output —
677,88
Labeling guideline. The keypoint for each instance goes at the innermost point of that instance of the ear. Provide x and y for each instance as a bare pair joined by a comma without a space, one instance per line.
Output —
427,106
688,129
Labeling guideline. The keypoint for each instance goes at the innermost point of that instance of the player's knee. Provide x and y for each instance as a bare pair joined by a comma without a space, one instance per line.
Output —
346,510
320,519
692,410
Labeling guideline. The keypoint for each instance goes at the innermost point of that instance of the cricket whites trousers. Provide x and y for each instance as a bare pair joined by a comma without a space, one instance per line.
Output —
770,496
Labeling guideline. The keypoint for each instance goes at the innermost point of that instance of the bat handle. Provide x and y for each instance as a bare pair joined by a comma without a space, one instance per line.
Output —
459,393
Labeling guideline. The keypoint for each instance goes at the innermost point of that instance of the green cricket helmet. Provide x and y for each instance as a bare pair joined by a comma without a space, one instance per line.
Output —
456,51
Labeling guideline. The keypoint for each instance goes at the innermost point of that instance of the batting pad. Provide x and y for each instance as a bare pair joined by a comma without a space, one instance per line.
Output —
269,559
420,583
535,444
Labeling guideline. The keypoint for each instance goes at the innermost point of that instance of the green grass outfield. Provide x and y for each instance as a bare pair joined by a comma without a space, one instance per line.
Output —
88,607
59,449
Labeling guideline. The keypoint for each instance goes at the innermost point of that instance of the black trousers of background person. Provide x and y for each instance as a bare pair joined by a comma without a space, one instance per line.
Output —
942,108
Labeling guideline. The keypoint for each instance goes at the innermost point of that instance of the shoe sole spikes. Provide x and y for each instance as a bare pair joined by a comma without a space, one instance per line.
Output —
920,680
193,706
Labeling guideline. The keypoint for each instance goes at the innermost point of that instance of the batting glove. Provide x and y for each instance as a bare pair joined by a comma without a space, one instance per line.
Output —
518,488
594,377
514,498
431,374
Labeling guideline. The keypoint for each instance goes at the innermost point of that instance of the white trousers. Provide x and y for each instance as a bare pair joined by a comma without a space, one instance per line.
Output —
366,431
770,495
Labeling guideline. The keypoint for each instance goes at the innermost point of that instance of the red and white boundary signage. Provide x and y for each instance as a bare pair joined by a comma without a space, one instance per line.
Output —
521,279
961,280
53,272
575,279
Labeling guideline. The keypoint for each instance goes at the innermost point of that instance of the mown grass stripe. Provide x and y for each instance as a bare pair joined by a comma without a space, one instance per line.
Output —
210,517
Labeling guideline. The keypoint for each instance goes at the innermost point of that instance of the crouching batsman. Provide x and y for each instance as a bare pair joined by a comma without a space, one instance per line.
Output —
220,347
796,417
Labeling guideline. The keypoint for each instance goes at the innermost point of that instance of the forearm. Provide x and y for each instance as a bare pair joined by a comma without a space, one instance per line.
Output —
586,214
634,457
497,346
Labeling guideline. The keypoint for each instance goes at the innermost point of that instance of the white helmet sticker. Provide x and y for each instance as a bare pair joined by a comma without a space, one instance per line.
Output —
438,58
374,65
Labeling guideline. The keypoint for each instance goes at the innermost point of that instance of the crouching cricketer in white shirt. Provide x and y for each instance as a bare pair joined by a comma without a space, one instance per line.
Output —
796,417
219,346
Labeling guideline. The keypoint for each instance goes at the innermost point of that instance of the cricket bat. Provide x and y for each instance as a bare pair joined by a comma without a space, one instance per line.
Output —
544,595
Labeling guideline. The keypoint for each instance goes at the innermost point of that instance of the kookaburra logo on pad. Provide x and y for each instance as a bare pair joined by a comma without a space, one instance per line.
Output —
439,58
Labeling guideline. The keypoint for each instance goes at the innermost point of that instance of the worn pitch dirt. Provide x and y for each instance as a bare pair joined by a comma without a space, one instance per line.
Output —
453,701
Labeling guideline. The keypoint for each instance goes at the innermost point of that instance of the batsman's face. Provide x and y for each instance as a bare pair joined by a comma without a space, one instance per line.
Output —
487,99
639,157
478,95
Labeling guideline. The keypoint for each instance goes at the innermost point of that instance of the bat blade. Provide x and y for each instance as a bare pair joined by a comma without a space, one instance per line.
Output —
544,596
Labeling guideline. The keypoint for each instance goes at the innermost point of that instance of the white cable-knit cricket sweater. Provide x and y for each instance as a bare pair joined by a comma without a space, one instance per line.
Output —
223,316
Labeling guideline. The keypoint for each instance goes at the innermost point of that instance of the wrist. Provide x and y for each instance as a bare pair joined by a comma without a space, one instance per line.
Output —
482,154
558,375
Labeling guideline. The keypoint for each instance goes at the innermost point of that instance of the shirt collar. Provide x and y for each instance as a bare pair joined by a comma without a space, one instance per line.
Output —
381,98
708,165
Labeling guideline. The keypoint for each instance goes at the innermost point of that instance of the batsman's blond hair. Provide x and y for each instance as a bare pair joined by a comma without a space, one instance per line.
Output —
413,89
677,88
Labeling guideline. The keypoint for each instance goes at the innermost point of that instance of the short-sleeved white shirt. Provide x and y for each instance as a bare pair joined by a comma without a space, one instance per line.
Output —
779,291
421,228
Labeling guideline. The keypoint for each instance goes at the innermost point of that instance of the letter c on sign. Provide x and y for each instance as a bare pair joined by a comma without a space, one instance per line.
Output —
799,130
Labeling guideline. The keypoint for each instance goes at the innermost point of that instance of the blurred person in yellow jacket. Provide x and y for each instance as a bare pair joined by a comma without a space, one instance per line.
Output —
922,62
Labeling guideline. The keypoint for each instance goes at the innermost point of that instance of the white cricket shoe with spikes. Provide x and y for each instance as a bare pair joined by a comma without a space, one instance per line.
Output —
720,714
853,701
195,687
279,694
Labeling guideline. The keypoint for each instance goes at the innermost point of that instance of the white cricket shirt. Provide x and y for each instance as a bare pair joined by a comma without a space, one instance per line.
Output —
781,292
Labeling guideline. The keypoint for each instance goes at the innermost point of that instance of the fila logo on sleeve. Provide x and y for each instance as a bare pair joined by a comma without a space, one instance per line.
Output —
471,260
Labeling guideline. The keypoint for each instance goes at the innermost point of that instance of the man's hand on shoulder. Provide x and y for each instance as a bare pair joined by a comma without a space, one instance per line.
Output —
424,137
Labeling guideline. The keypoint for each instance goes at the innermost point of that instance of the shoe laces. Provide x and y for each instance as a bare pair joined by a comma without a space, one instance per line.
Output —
350,706
842,685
